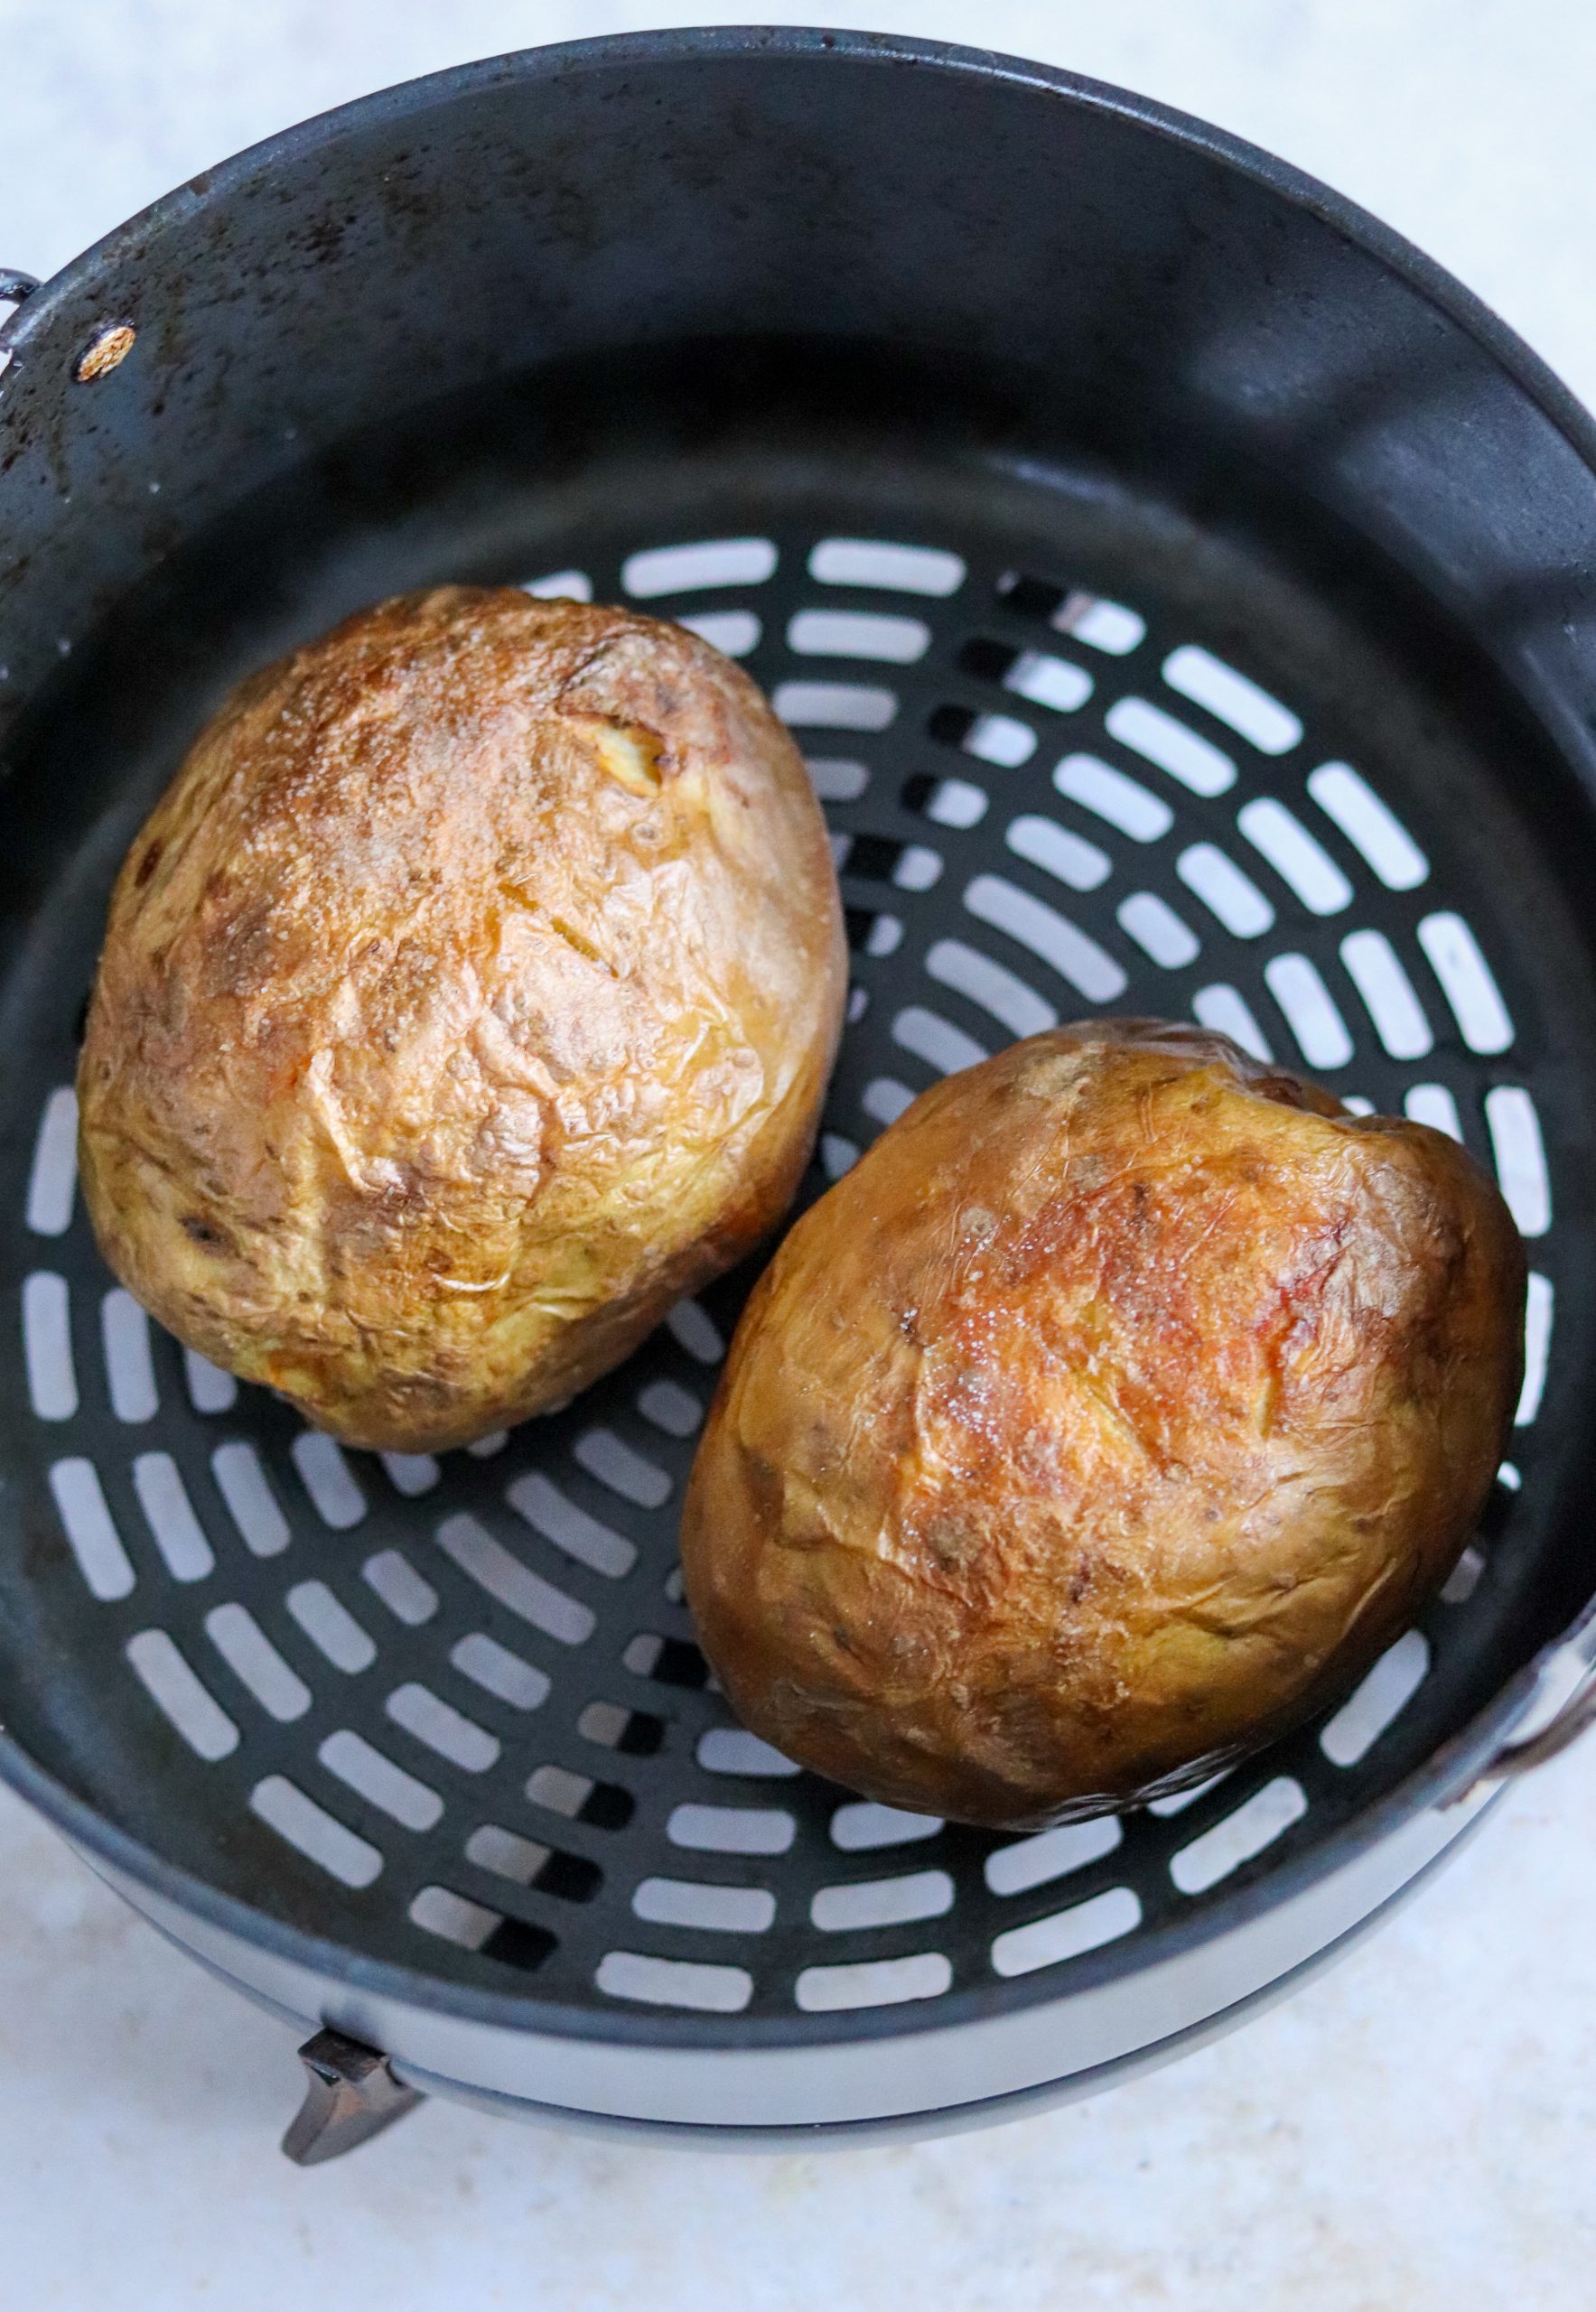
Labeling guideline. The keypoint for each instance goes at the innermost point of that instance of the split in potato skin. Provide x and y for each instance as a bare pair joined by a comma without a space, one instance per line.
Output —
1111,1415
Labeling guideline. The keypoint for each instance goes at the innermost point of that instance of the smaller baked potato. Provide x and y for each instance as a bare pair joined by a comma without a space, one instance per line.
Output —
1110,1416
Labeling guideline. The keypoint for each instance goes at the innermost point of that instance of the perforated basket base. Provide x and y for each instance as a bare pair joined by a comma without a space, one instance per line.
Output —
1081,753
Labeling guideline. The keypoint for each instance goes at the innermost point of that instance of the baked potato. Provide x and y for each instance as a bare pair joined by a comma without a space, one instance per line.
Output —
1111,1415
468,997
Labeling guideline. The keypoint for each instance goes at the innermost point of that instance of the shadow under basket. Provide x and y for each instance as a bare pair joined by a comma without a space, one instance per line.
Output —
1181,594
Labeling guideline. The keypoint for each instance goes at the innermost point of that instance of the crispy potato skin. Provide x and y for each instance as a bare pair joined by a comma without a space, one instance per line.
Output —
1112,1414
468,997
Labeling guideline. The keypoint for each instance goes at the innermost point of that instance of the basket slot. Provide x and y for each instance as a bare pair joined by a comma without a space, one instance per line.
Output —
693,1902
411,1474
1520,1155
1236,1838
1310,1010
1001,740
1379,1701
47,1346
1369,825
331,1628
1067,858
836,706
1114,795
838,1155
734,632
1249,710
442,1912
891,569
442,1728
613,1727
479,1554
1225,891
836,779
569,585
1298,858
884,1099
1067,1935
402,1590
1107,626
1050,1854
373,1775
499,1672
1048,934
242,1483
672,1661
579,1798
257,1664
873,932
710,562
675,1983
1464,1577
53,1180
211,1390
693,1331
1163,738
1011,1001
1158,930
620,1466
508,1855
170,1516
318,1835
858,634
1227,1010
873,1982
329,1480
936,1041
946,802
1434,1104
882,1902
1467,981
130,1370
729,1750
552,1514
1538,1347
90,1528
732,1830
1376,971
170,1681
861,1826
671,1408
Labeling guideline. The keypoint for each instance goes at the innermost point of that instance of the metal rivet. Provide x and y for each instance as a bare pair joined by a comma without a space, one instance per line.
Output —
107,352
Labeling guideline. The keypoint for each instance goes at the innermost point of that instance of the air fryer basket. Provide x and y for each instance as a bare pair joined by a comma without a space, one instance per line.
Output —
1182,592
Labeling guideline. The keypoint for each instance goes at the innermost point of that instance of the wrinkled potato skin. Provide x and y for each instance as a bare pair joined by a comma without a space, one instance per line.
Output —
1112,1414
469,996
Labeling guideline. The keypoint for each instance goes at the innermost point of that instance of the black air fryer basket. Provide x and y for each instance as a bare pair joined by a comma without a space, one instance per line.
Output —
1183,594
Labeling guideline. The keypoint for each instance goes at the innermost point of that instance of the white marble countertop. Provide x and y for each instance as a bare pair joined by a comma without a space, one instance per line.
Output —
1413,2133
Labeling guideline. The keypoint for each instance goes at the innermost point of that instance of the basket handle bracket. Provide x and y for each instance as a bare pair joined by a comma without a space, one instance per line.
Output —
1574,1713
350,2095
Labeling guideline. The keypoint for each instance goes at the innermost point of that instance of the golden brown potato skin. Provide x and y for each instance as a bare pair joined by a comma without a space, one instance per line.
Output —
1115,1410
468,997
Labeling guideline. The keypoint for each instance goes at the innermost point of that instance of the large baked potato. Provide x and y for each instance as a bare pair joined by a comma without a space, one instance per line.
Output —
469,996
1115,1411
